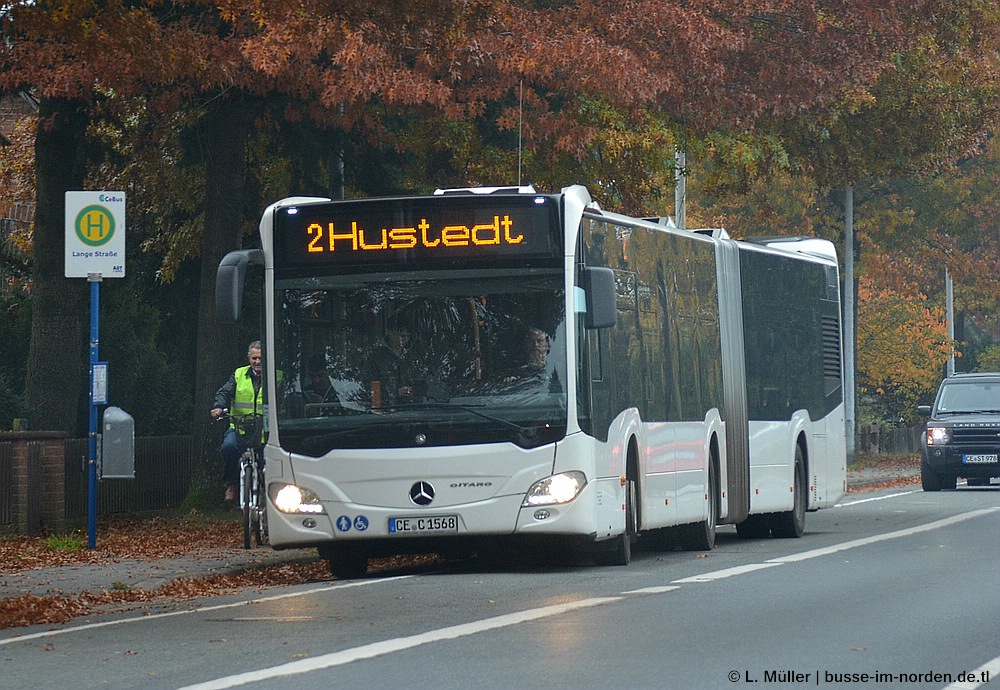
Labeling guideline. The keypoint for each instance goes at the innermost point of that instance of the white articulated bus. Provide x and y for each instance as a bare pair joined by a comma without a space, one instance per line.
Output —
480,367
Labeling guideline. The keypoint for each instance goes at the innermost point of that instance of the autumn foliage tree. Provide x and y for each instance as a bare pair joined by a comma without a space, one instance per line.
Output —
592,87
917,146
902,341
71,55
936,225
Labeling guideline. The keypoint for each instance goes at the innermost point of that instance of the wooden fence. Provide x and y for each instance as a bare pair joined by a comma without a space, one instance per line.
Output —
162,477
44,481
898,440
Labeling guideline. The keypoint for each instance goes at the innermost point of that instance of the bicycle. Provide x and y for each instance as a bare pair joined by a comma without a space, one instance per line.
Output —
252,488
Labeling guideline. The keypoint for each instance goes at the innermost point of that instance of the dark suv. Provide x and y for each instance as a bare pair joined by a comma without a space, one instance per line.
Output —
963,433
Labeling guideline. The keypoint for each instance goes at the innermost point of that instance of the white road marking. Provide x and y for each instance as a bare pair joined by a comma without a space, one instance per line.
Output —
909,531
375,649
652,590
875,498
722,574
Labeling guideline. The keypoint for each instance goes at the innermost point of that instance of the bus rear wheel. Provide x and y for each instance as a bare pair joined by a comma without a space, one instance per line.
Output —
791,524
700,536
754,527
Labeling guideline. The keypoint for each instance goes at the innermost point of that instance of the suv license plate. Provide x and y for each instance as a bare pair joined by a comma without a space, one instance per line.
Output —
981,457
423,525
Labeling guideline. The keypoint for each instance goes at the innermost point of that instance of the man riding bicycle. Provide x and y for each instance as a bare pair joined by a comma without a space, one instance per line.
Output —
242,395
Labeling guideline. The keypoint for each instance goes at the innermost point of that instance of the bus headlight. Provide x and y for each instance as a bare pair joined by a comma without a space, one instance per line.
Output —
559,488
289,498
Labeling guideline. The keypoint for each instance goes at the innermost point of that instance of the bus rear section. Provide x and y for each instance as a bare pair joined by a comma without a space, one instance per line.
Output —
794,381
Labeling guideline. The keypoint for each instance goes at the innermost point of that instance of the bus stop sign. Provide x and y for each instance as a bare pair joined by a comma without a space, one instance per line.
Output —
95,234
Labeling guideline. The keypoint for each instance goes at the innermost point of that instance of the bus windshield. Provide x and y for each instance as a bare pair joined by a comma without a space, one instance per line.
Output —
418,362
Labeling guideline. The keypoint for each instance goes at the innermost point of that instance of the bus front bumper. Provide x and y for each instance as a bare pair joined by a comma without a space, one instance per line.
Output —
495,517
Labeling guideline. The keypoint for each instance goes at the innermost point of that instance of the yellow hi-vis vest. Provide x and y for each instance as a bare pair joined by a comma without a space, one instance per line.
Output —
244,400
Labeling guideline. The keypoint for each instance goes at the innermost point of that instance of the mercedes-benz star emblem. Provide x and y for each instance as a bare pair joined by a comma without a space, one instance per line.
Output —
422,493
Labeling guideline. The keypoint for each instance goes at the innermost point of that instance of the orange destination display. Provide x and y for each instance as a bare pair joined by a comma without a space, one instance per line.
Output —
419,233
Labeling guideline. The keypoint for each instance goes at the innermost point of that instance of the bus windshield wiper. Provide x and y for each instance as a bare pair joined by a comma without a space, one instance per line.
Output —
465,408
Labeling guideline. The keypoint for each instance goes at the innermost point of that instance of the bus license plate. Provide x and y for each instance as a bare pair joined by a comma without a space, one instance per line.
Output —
981,457
423,525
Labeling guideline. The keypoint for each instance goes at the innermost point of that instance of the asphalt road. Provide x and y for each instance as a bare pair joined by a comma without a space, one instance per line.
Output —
891,589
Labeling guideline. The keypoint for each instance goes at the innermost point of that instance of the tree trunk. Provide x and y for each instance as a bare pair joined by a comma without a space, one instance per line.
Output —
56,381
224,133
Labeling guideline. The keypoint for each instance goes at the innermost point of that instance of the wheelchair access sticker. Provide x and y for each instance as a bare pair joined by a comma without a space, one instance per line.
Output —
344,523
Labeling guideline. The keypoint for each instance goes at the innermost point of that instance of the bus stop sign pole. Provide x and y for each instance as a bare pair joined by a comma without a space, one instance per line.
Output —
95,247
95,393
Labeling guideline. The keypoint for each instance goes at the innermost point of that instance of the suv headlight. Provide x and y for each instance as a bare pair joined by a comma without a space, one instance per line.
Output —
558,488
938,435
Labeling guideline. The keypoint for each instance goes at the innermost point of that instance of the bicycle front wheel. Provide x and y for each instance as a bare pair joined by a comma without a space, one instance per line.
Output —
246,502
260,509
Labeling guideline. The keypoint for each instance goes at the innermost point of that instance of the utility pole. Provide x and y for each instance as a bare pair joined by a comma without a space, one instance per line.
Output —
849,413
949,297
680,189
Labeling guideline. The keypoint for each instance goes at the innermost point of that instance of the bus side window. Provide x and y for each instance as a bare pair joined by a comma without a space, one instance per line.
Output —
602,299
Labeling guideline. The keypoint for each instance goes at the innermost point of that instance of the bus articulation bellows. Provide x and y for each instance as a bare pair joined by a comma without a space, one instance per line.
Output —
501,366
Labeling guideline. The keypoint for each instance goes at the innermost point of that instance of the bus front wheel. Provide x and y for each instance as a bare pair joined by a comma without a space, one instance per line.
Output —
618,550
346,564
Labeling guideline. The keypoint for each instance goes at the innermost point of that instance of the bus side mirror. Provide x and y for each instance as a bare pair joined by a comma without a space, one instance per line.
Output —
230,279
602,299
